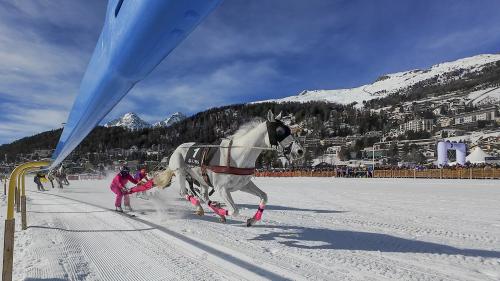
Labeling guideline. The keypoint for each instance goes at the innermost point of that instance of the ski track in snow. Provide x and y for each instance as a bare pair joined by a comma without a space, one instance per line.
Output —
312,229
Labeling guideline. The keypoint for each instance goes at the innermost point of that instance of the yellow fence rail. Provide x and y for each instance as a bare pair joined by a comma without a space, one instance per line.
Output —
17,196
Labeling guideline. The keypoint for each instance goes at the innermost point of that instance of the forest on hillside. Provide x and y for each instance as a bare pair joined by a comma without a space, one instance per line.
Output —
211,125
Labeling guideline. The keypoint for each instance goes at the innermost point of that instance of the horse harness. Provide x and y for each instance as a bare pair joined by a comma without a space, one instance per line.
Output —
207,153
279,136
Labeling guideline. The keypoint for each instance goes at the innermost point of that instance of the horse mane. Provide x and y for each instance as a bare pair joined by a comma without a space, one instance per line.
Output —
245,128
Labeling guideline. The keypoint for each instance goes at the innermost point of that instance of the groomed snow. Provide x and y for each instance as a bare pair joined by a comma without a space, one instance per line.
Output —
313,229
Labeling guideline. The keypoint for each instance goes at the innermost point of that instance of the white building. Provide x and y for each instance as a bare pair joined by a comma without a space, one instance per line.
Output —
489,113
444,121
333,150
447,133
417,125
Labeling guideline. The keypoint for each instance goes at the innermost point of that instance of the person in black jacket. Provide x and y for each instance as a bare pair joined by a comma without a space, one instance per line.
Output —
38,182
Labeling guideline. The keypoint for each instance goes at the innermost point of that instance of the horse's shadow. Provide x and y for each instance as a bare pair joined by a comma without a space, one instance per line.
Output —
284,208
321,238
210,217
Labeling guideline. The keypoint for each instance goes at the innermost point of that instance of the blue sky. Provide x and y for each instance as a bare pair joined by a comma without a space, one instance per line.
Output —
244,51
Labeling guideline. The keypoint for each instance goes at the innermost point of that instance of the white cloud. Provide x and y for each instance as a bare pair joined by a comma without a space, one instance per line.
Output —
39,74
464,39
231,83
22,120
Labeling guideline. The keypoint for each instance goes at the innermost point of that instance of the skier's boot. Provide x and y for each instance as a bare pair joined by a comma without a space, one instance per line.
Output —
119,209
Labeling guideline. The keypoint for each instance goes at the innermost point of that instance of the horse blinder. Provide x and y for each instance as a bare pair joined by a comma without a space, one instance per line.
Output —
280,135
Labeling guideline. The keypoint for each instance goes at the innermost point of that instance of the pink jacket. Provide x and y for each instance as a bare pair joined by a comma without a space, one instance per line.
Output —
119,182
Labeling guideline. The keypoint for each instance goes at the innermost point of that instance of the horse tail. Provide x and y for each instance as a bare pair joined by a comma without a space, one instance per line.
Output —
163,179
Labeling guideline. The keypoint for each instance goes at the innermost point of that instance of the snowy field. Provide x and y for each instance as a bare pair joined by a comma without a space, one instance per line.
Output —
313,229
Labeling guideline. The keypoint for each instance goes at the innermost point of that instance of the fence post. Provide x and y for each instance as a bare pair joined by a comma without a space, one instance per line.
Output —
18,200
8,249
470,173
441,173
414,173
24,223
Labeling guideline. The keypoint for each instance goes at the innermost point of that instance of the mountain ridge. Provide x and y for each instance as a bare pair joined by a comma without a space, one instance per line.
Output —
132,121
396,82
170,120
129,120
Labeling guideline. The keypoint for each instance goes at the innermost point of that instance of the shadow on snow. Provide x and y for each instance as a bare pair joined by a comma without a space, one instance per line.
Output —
193,242
284,208
321,238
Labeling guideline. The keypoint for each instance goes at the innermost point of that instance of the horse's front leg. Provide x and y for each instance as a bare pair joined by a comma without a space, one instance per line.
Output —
226,195
228,199
204,193
253,189
184,193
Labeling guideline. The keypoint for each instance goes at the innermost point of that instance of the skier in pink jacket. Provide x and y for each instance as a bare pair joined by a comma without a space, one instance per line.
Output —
118,187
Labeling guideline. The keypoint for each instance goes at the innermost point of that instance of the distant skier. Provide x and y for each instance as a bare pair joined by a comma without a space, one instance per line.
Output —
118,187
51,178
38,182
62,175
102,170
140,174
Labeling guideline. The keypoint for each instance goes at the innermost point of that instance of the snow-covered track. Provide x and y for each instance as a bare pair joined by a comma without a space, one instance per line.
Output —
340,229
166,254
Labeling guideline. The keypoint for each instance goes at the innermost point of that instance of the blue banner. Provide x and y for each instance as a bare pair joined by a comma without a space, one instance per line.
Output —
137,35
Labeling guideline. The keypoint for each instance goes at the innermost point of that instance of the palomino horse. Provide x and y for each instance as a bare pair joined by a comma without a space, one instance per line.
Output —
230,166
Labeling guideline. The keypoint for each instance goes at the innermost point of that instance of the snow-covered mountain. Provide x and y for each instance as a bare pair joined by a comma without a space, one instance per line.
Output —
172,119
130,121
391,83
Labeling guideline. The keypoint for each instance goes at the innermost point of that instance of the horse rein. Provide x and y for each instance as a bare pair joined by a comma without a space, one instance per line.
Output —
232,146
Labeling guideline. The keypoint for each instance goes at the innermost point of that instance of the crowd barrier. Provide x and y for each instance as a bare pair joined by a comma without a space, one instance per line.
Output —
462,173
294,173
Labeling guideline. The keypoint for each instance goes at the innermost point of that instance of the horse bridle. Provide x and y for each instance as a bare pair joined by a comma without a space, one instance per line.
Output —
280,136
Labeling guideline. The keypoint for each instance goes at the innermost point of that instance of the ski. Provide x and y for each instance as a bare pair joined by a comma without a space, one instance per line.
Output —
124,213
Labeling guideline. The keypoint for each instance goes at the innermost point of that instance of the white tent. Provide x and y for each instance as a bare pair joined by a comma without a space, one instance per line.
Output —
477,156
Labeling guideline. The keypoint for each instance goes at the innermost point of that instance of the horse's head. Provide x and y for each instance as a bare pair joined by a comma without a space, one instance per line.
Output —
281,136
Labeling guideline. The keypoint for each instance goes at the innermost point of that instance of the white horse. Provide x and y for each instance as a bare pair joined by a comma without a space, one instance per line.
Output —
59,175
232,165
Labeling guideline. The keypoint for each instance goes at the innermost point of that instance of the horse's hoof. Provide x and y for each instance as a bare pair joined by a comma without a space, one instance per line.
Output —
199,212
222,219
217,204
250,222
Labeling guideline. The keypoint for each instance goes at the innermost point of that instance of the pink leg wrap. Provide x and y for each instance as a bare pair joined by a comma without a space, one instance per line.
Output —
219,211
193,200
258,214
